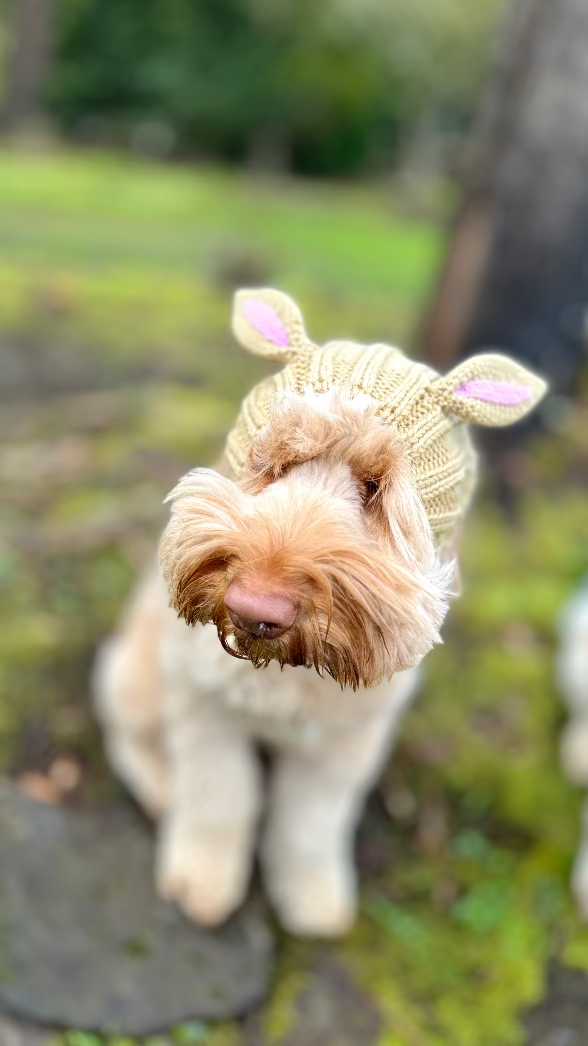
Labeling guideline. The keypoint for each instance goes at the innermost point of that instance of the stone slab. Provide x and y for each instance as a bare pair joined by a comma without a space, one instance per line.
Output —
84,941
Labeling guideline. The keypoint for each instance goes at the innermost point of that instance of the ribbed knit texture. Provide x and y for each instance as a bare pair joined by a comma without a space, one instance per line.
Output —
424,410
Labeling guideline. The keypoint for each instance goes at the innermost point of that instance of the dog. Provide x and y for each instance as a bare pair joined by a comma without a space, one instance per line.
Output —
572,679
323,552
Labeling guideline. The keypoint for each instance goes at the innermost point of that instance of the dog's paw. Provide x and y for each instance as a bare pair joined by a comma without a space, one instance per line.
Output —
204,877
315,900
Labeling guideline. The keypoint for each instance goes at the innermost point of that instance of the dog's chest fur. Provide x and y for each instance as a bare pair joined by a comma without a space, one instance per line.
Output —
290,706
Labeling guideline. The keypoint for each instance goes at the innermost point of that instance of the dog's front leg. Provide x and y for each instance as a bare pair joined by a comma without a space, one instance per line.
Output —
315,804
207,835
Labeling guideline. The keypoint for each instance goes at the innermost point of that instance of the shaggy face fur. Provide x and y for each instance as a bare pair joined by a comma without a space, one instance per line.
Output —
328,515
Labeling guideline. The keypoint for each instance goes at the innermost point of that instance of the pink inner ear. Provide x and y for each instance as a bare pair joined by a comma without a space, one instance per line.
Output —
267,322
503,393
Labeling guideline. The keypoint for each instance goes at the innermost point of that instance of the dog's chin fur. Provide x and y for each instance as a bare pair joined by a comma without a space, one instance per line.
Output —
330,515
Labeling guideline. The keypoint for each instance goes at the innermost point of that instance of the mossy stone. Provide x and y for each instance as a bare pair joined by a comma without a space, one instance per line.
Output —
85,943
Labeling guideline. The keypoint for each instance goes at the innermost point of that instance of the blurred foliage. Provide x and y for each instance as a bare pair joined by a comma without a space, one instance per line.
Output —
334,87
118,374
118,266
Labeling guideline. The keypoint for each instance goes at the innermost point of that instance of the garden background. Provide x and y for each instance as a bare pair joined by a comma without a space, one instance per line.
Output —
156,156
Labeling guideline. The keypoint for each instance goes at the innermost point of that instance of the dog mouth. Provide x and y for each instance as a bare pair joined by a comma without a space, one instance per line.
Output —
230,643
261,642
241,645
259,629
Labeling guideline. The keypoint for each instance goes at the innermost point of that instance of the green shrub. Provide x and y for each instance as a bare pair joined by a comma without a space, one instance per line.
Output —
327,88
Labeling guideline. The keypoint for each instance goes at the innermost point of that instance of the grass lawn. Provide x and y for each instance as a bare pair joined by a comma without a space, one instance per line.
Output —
133,263
97,212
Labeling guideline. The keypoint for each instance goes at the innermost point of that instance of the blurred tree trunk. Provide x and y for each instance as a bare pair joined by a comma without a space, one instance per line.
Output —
516,274
30,26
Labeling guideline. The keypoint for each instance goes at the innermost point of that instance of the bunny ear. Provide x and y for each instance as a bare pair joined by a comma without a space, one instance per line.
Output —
489,390
269,324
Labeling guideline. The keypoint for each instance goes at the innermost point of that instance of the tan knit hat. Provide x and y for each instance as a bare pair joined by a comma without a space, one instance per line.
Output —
426,411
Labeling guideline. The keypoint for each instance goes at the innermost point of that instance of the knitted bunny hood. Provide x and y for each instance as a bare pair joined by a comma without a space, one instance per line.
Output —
426,411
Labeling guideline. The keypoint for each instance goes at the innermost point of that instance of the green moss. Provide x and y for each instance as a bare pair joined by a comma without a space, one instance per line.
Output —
576,951
193,1033
281,1013
423,961
82,1038
225,1034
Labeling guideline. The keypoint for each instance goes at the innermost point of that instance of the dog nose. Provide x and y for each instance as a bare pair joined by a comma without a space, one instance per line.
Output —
264,614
